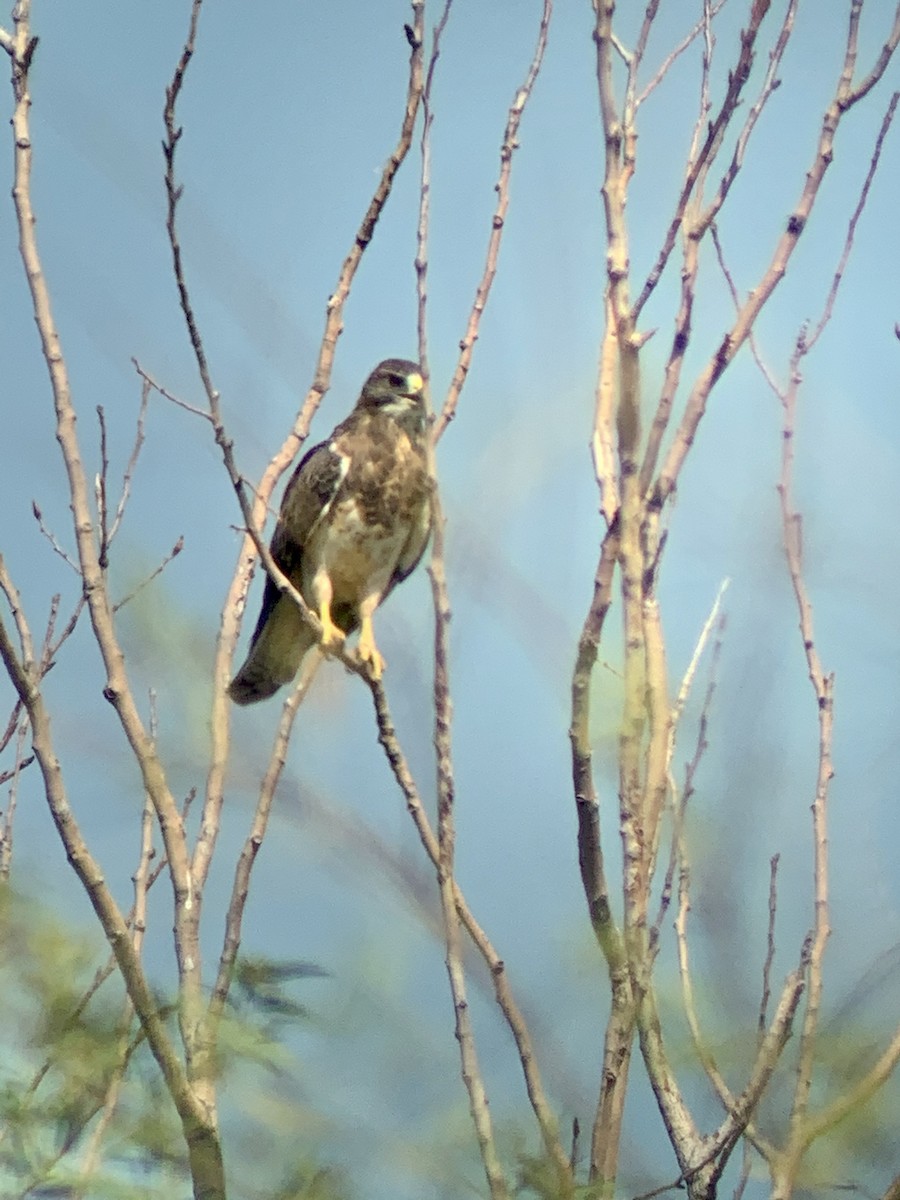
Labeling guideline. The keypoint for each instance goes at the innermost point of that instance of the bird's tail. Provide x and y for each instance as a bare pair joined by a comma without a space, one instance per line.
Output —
276,652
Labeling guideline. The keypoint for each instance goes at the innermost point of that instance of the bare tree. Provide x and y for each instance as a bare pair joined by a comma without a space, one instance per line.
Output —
630,888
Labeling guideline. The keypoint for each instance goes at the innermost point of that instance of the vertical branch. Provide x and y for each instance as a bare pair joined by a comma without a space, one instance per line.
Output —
141,881
615,437
446,834
243,870
9,814
440,849
197,1113
255,514
471,1071
198,1125
387,737
620,145
803,1129
422,228
117,690
844,98
823,688
198,1021
508,147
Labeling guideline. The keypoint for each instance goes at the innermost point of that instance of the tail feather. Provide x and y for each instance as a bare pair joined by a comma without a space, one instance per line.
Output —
278,647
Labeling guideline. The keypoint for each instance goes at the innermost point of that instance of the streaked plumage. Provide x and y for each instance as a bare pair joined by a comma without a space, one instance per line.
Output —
355,520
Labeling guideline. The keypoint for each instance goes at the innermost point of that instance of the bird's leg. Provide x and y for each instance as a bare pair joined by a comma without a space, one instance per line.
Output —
368,651
332,636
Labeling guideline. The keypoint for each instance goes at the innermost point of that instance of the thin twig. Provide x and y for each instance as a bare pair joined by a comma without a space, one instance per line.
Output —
844,97
701,27
52,539
828,308
507,149
244,867
130,466
422,229
681,800
149,382
737,80
112,1092
100,492
173,553
752,341
770,944
20,762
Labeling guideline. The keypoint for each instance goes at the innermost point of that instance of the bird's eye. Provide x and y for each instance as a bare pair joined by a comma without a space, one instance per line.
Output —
396,381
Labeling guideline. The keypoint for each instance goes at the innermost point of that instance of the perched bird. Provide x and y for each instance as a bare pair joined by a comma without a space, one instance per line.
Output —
355,520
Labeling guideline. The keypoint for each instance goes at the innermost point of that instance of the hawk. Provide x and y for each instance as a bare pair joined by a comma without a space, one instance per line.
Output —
355,520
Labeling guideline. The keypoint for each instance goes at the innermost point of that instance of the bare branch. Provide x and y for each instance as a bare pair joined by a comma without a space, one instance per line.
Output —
117,688
603,439
20,670
52,648
507,149
387,737
823,688
6,829
828,309
254,517
737,80
132,459
150,382
710,11
127,1043
680,802
770,944
732,288
853,95
422,228
52,539
590,853
769,85
471,1071
243,870
756,300
173,553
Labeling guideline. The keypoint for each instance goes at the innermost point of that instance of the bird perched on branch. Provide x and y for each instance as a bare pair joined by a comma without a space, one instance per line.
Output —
355,520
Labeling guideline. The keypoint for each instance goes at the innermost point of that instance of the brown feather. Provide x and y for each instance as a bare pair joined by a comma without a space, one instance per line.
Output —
355,520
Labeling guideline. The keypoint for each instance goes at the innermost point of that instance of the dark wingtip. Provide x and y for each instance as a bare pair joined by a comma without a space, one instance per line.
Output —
244,691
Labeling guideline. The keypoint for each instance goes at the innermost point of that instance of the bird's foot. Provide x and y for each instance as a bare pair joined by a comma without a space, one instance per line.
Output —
369,652
332,637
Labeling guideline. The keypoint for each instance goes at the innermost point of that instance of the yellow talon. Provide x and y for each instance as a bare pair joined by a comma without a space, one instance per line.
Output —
332,636
368,651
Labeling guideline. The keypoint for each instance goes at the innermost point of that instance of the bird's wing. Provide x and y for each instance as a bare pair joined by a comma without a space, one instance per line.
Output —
306,500
419,533
282,637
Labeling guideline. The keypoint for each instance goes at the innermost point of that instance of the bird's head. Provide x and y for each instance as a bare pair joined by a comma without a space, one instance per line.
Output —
396,387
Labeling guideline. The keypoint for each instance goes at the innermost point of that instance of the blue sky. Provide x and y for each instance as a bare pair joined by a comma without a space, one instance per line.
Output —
289,113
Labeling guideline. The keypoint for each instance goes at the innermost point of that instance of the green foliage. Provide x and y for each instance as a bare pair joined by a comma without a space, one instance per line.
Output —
75,1069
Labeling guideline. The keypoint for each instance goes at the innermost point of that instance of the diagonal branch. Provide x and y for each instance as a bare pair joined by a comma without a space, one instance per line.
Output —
737,80
733,340
387,737
241,885
254,515
117,690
